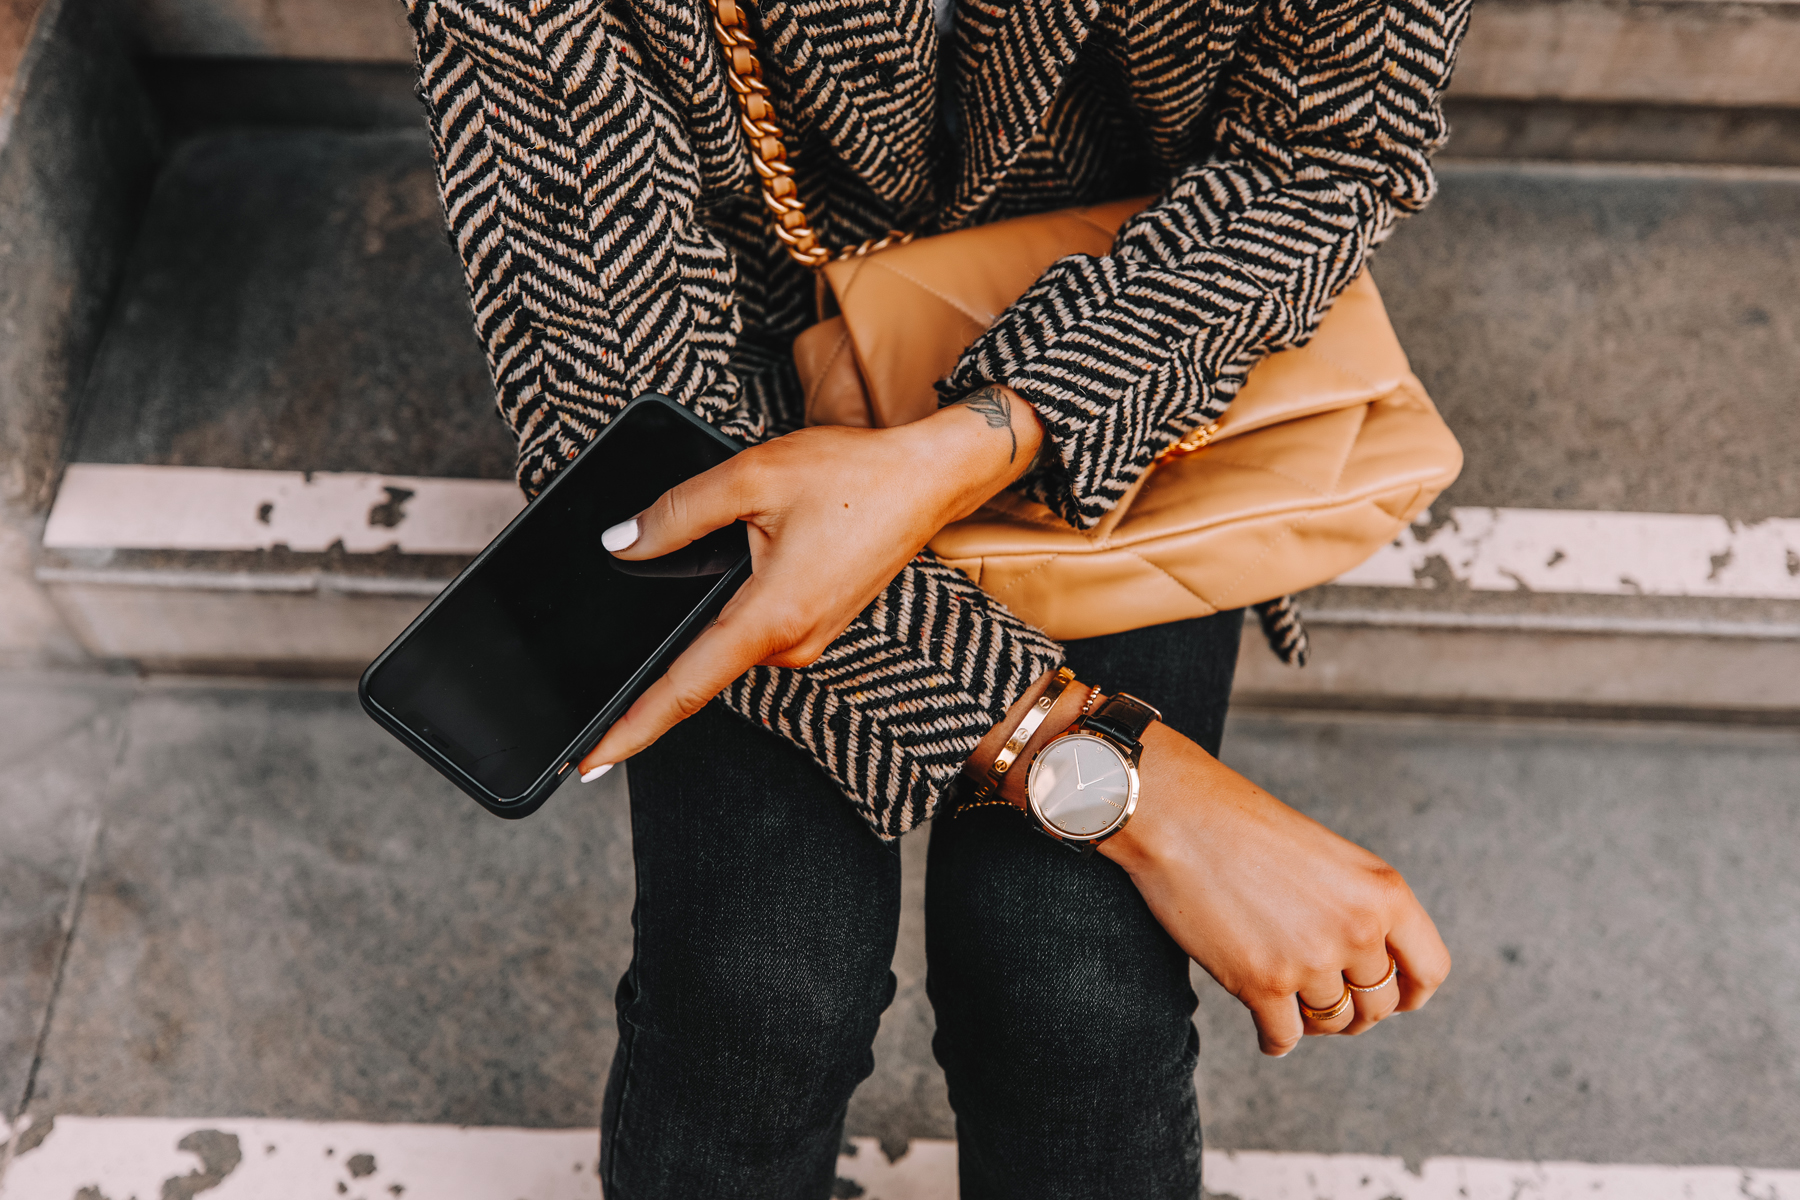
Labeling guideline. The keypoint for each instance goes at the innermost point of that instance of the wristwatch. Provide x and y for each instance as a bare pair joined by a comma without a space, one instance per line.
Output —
1083,786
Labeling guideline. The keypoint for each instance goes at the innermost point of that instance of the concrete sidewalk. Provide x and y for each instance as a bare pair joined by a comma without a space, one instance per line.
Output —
283,914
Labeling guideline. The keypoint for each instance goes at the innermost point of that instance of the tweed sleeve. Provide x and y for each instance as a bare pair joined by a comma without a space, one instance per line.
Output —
571,188
1322,142
899,701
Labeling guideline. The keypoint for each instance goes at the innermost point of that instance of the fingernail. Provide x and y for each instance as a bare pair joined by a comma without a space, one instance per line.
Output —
598,771
620,536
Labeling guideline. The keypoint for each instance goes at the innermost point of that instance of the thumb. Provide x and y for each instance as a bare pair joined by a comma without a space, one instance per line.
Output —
685,513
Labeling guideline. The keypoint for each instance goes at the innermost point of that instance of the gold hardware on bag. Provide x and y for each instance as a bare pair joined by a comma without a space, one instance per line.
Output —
1199,439
767,143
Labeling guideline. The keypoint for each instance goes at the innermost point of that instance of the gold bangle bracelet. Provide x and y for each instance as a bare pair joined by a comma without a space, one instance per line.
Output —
1009,753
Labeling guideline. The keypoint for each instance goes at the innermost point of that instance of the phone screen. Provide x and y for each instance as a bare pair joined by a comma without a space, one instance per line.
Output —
529,646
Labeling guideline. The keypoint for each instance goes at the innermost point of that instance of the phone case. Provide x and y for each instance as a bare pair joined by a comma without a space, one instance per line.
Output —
554,772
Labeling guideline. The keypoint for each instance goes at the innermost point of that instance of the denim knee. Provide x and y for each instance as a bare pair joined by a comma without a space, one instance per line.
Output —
732,1076
765,919
1064,1020
1052,983
1055,1038
764,1045
765,922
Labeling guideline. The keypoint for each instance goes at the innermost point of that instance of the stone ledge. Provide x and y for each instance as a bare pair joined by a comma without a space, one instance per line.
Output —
1720,52
281,625
1709,52
1385,657
1530,672
1584,131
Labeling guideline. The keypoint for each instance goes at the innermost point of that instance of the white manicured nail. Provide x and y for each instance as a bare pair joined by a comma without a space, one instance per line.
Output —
596,773
620,536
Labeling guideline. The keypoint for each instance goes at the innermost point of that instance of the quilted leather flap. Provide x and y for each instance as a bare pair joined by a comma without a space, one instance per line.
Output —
912,310
1342,457
1291,466
1353,358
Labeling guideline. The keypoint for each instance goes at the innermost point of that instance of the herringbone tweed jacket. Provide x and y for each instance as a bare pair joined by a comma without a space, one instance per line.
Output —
597,188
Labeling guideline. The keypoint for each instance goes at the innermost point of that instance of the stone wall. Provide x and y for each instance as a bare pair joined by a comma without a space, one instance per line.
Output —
340,30
1666,52
1695,52
77,151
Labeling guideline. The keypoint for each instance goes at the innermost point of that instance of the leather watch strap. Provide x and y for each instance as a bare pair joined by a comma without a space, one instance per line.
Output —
1123,718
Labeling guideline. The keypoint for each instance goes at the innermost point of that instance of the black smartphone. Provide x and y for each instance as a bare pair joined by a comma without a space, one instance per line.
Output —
519,666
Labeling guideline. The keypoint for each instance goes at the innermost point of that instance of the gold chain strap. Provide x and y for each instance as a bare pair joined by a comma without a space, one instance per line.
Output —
768,146
767,142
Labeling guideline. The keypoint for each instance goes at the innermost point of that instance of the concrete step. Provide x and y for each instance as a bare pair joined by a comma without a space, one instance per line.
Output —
1605,340
1584,131
1708,81
1709,52
325,330
1613,80
287,443
244,899
1720,53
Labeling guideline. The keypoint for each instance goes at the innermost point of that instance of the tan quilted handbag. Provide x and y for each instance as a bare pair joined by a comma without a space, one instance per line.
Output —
1327,453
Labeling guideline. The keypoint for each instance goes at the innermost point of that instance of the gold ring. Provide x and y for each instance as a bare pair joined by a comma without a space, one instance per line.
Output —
1327,1014
1393,970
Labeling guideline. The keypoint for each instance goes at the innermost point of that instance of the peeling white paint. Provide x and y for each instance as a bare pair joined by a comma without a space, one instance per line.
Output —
1250,1175
103,506
132,1157
1596,553
927,1171
127,1157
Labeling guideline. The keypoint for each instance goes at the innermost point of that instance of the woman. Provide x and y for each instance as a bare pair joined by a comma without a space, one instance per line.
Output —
598,189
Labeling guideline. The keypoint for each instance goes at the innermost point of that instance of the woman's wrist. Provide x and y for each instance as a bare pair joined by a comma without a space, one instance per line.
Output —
1171,770
977,446
1066,712
1169,767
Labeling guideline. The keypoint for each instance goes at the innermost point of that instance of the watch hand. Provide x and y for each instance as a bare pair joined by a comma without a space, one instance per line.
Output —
1076,751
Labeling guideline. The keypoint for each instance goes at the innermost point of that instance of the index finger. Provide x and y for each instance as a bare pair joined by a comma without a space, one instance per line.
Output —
685,513
724,650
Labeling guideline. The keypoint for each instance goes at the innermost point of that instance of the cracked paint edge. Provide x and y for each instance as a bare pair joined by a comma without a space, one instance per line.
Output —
1591,553
288,1160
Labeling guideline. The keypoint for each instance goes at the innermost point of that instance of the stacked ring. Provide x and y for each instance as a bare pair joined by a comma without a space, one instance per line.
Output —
1393,970
1326,1014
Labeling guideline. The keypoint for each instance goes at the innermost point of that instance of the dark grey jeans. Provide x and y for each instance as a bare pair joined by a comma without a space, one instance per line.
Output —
765,926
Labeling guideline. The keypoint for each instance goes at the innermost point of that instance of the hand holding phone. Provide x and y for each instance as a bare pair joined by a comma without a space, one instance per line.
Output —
833,514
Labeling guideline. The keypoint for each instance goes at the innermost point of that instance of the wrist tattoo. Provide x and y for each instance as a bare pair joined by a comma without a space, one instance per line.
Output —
995,408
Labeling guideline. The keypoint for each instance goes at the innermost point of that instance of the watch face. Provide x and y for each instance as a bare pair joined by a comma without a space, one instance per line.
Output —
1081,785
